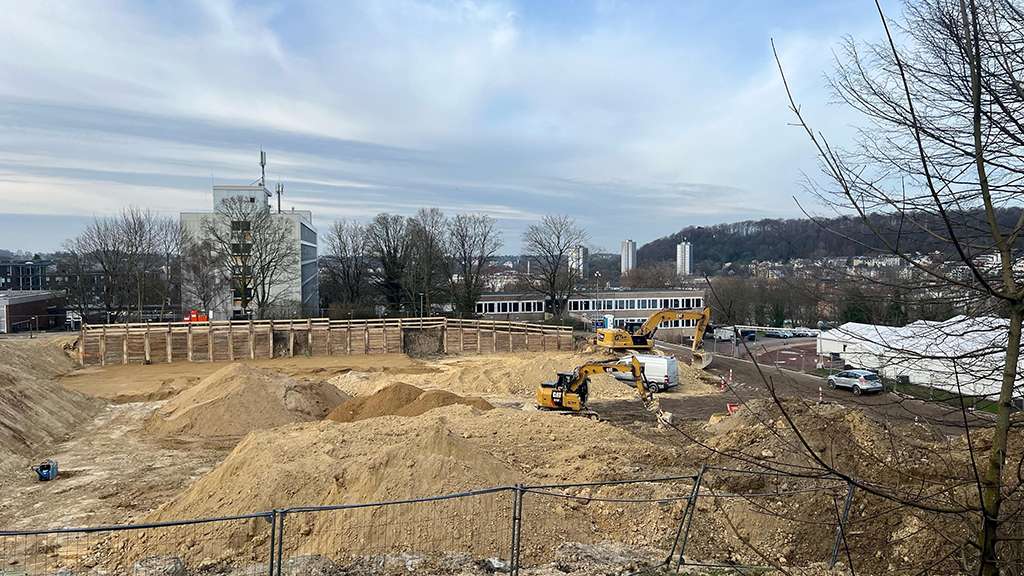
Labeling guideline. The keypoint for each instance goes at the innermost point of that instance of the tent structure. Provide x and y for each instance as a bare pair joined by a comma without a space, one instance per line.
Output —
963,355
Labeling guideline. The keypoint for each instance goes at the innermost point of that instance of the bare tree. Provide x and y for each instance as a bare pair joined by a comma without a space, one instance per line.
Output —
204,281
548,243
473,240
258,249
390,247
348,259
655,275
942,149
425,281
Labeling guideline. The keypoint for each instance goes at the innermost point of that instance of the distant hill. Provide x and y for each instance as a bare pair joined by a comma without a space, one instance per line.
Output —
784,239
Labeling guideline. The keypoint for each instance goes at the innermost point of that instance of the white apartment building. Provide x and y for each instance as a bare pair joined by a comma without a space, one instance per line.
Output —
628,261
296,294
684,259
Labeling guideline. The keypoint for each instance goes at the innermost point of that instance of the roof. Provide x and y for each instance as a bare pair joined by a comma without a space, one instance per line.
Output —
8,297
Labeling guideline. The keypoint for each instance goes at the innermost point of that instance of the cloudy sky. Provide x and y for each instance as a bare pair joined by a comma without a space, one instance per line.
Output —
637,118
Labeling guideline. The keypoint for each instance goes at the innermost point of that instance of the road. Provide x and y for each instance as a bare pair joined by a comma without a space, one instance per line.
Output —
748,384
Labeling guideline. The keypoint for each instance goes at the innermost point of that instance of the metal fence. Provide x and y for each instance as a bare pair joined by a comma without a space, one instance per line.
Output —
637,524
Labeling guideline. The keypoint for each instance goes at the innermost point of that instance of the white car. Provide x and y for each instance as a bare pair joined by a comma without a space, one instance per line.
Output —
857,381
661,372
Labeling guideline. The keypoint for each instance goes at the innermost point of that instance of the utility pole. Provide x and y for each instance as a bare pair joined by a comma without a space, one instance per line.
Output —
263,168
280,189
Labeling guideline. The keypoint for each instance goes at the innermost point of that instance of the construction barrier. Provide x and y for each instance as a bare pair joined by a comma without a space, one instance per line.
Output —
230,340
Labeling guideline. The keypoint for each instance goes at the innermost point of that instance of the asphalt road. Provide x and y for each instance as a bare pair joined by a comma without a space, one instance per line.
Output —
748,384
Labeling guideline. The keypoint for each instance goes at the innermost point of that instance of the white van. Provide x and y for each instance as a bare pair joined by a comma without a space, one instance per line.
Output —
661,372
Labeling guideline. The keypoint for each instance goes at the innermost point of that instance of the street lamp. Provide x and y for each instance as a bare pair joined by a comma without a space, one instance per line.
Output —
421,303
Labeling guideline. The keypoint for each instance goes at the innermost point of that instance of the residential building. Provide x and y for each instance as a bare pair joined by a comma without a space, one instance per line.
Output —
31,274
579,261
684,259
294,294
628,261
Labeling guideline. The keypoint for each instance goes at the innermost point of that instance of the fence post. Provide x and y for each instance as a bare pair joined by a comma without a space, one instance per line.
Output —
691,509
517,525
841,527
280,540
273,543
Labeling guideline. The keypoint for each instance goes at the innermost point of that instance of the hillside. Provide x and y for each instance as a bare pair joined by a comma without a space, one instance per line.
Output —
784,239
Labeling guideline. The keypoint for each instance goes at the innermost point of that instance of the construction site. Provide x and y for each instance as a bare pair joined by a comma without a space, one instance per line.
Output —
424,450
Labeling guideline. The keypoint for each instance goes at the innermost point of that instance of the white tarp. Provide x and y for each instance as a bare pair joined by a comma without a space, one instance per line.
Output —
962,355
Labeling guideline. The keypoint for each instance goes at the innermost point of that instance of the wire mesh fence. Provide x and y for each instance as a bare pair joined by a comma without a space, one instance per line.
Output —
403,535
636,520
238,544
623,526
765,518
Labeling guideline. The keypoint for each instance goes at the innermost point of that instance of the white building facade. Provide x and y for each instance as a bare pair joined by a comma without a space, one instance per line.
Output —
684,259
298,292
628,261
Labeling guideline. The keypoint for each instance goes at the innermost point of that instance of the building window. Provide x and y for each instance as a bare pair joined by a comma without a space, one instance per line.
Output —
479,308
490,307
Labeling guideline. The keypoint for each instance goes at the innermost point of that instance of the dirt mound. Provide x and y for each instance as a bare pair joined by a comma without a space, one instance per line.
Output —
446,450
35,411
240,398
400,399
498,375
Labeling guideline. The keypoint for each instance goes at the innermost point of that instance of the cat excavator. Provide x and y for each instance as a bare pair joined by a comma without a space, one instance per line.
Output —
569,392
642,338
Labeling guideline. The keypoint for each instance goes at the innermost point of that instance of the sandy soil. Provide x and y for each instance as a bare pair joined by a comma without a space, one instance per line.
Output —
133,382
109,472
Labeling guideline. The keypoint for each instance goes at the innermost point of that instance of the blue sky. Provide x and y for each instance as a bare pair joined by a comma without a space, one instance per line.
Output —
637,118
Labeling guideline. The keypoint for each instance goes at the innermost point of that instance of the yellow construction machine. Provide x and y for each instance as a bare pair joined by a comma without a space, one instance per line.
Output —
643,337
569,392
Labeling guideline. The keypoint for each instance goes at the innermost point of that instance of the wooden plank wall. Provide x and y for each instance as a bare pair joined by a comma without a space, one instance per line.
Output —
240,340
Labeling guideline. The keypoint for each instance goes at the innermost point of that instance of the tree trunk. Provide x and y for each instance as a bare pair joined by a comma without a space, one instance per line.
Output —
992,497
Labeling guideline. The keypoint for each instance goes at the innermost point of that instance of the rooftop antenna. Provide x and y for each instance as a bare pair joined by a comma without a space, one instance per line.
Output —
263,168
280,188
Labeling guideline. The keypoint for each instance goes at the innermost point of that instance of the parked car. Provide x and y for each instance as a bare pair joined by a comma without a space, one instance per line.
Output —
803,333
776,334
857,381
661,372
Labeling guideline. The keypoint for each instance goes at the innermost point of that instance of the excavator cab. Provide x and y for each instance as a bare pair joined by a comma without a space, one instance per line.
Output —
561,395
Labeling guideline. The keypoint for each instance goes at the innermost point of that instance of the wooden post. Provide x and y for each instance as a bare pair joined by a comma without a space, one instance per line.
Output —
526,329
170,342
384,329
252,341
124,345
103,346
146,345
81,346
291,338
329,351
231,342
444,336
462,337
188,341
271,336
543,339
558,340
366,337
309,336
494,337
509,336
209,341
348,338
401,336
478,336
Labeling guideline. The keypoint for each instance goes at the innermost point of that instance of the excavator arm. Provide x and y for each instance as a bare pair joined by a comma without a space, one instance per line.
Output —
643,337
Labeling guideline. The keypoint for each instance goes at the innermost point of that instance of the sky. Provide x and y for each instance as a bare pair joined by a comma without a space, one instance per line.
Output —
636,118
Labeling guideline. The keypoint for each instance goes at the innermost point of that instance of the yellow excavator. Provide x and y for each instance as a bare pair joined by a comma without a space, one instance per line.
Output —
642,338
569,392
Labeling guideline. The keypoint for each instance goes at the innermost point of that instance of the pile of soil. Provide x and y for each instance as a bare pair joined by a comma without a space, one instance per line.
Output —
500,375
240,398
36,412
446,450
401,399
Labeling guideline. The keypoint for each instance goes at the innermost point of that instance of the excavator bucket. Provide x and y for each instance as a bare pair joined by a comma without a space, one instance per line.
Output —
701,359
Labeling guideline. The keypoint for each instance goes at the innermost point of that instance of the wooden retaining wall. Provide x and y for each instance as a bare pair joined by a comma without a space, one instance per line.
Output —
237,340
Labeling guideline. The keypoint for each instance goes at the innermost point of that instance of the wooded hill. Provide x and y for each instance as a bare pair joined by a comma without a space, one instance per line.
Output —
785,239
